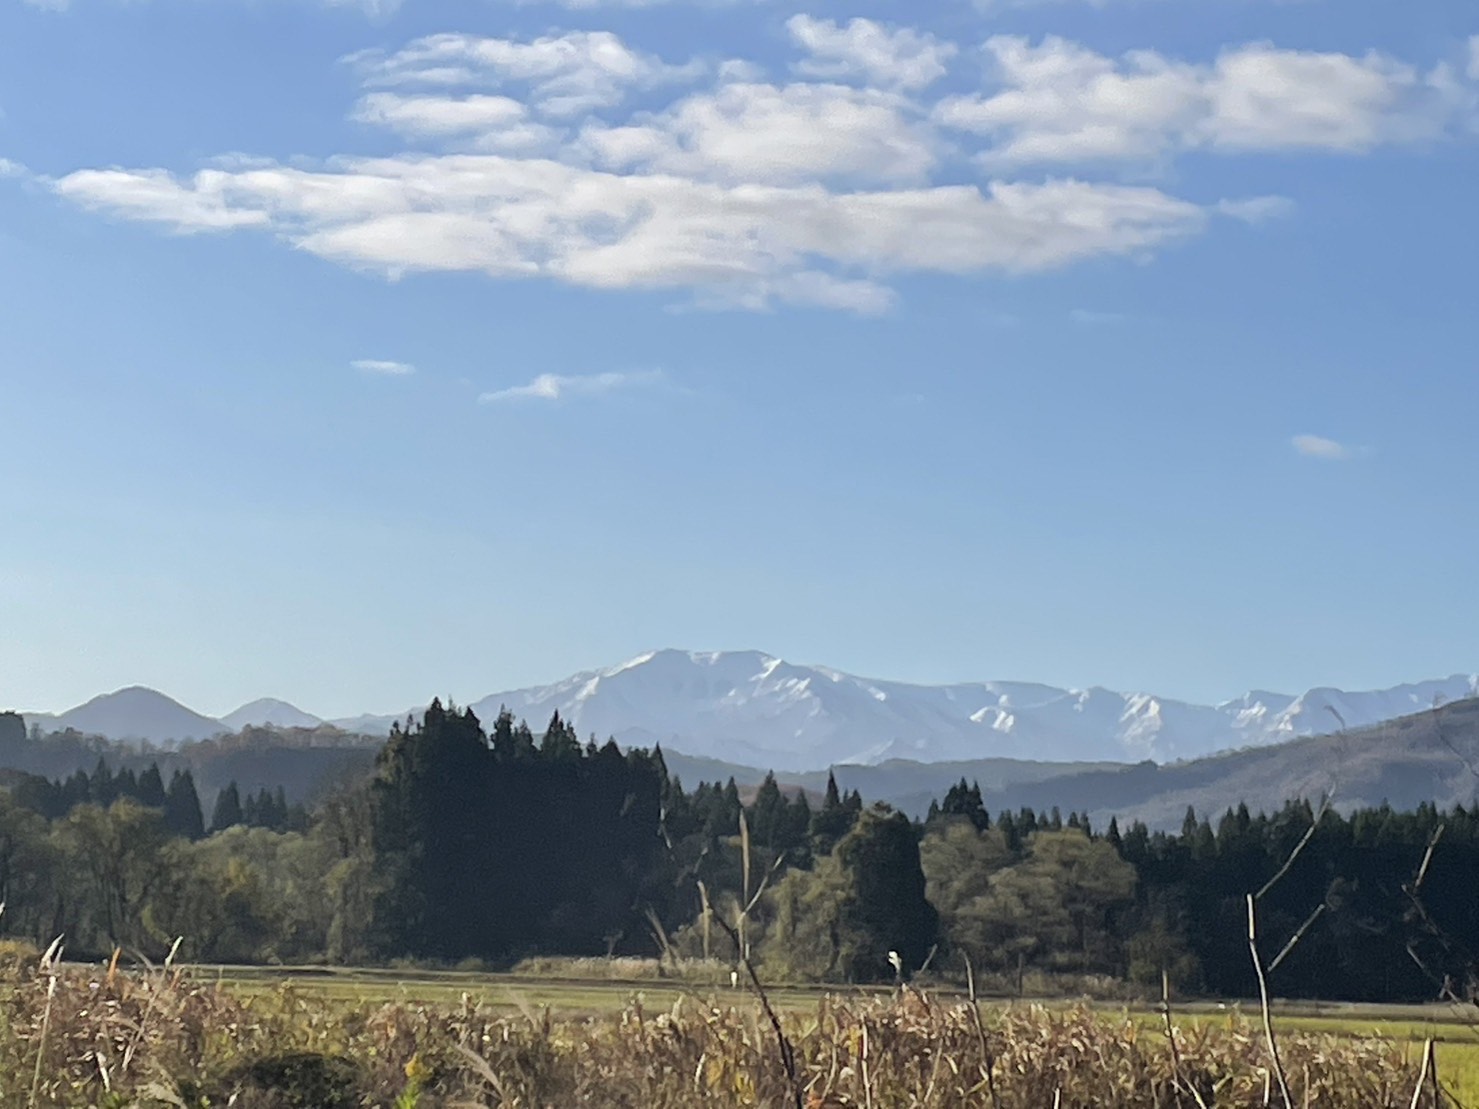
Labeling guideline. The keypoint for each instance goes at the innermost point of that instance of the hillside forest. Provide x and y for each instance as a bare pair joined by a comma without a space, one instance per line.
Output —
467,845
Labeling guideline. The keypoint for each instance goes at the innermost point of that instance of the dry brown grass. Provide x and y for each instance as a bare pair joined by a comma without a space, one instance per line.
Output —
163,1038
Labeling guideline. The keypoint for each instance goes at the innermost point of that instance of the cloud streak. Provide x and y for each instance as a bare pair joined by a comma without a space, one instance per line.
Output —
553,387
383,367
1317,446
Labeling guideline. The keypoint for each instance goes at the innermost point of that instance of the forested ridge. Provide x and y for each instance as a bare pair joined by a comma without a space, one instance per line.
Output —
495,843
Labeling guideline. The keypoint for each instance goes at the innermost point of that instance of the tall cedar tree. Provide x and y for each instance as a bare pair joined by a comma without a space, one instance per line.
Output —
227,812
885,901
182,812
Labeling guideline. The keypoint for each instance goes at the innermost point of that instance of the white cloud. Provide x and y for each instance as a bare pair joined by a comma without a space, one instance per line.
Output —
894,58
1060,102
556,386
764,133
12,169
383,367
1265,99
566,74
536,217
1473,67
155,196
750,194
477,122
439,115
1317,446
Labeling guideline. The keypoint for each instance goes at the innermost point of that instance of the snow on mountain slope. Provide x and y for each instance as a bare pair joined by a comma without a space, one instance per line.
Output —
269,712
757,710
752,708
136,713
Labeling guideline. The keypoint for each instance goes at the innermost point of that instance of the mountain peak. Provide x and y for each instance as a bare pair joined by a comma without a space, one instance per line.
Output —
138,712
269,712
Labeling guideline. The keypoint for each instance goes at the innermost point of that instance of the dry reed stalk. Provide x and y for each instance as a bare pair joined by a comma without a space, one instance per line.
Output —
1263,1004
988,1063
1178,1071
49,960
788,1053
1422,1075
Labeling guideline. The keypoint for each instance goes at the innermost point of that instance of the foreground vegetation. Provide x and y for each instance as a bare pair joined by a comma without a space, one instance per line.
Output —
100,1037
485,847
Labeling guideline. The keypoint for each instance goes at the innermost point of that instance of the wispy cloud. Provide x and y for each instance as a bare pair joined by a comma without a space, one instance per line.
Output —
1317,446
556,386
563,75
383,367
1257,209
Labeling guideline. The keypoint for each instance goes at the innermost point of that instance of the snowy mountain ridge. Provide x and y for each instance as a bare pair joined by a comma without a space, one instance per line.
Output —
755,709
759,710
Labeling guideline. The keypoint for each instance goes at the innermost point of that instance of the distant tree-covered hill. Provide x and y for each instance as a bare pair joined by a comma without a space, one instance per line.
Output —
304,762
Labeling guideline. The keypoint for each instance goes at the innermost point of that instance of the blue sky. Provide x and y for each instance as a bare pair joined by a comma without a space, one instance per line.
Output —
355,354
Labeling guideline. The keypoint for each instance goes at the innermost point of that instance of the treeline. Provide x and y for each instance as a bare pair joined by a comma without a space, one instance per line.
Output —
307,762
495,844
1025,891
178,803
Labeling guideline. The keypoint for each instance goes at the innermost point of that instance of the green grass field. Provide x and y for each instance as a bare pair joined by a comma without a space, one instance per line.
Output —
1455,1031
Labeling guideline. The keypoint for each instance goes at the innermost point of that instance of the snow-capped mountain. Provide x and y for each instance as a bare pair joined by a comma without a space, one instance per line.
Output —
754,709
757,710
269,712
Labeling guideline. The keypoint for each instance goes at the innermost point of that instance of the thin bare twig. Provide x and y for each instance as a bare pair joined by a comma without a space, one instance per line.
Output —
1289,947
1263,1001
1298,848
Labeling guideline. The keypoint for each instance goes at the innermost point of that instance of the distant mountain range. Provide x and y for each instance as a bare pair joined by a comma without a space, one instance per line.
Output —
1427,756
756,710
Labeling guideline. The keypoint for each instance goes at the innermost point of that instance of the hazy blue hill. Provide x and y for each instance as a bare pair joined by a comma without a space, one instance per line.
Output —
1428,756
305,762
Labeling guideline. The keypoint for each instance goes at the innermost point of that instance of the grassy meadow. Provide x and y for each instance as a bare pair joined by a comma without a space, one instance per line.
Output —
253,1038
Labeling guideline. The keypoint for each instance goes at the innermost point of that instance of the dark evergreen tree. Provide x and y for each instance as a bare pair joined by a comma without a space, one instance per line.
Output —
767,814
884,908
100,786
227,812
832,821
559,740
151,792
182,812
964,801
